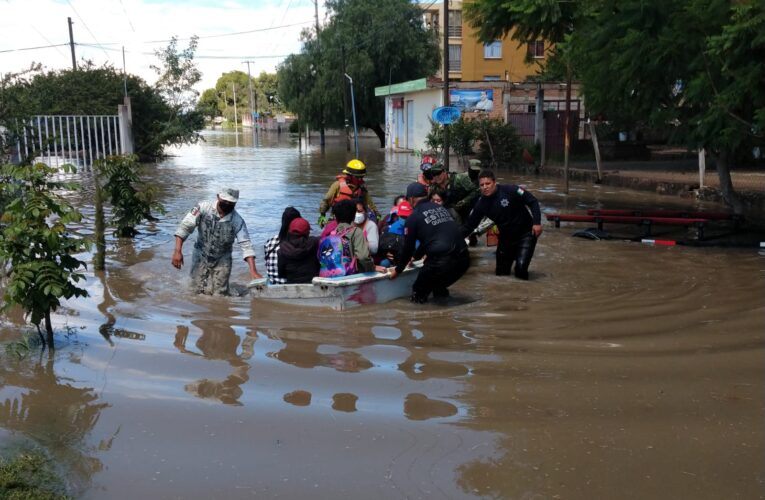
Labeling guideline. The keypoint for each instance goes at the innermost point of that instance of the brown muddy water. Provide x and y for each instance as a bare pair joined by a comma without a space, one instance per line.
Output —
619,370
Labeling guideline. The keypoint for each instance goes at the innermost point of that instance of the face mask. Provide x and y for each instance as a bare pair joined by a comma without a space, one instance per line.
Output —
226,208
360,218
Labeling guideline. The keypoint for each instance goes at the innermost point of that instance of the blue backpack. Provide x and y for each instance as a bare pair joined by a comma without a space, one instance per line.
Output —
335,256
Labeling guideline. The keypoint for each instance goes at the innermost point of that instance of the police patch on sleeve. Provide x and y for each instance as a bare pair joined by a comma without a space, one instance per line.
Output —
195,211
520,191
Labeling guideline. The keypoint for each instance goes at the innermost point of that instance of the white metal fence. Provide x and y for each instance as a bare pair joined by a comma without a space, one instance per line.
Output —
80,140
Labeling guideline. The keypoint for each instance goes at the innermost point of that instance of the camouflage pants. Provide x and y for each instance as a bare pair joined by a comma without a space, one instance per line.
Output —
208,276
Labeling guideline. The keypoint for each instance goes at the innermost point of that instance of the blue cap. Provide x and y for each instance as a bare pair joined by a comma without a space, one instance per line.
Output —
416,190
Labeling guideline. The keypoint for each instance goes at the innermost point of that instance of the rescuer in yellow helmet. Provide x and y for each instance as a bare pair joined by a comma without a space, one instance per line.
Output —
349,185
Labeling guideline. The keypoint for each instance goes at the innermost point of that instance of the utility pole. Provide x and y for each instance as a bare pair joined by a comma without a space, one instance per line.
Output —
445,24
353,108
71,43
318,45
345,104
236,129
252,113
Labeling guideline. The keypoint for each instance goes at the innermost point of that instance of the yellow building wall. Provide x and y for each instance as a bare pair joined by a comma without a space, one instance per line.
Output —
510,67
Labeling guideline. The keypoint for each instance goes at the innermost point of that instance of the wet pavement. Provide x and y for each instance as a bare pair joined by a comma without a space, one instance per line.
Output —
619,370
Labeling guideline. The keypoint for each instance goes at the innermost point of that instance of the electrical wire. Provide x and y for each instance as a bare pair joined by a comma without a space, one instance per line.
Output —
34,48
86,27
127,16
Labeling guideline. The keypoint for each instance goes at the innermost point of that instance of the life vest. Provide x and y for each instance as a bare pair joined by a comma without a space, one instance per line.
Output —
346,192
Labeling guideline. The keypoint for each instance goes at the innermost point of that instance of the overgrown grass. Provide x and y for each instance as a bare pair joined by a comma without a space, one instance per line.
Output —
30,476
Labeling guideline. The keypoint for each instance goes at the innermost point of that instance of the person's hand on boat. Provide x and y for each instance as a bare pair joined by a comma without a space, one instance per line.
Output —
322,221
177,259
255,275
392,273
536,230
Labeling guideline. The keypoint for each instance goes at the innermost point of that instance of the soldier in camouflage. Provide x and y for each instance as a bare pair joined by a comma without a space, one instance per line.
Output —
219,227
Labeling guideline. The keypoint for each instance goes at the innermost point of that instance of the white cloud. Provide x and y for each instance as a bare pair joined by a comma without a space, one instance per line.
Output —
132,23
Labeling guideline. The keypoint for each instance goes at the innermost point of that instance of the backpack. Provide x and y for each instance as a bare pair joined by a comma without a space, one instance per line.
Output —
390,243
335,257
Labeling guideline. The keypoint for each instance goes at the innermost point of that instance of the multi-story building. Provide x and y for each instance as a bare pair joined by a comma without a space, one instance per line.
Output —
471,60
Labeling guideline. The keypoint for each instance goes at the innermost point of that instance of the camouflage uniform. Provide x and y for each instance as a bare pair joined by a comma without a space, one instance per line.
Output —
211,262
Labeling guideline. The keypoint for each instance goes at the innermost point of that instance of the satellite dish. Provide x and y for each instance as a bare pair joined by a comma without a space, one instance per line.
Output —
446,115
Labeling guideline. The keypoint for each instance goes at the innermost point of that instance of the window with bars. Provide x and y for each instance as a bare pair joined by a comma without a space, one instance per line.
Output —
492,50
455,57
455,23
536,49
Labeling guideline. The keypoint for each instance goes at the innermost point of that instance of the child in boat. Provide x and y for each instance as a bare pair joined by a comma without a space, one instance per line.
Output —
345,212
392,216
392,240
297,253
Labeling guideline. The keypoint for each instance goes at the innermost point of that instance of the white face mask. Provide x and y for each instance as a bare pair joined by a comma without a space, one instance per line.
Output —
360,218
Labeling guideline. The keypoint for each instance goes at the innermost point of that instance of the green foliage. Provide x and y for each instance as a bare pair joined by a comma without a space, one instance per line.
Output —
500,144
131,197
30,476
157,122
35,242
462,137
22,347
178,74
376,42
208,104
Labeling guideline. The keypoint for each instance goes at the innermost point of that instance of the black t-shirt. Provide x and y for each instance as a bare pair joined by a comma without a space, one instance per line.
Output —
434,228
507,208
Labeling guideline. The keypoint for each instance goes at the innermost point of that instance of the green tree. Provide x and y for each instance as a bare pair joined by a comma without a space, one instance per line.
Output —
376,42
708,91
94,91
36,245
225,87
208,104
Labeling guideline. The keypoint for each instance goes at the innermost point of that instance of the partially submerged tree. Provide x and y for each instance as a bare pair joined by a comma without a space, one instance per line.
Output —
36,244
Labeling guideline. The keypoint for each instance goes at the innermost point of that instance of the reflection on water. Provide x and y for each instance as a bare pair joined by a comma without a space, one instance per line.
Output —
617,367
52,412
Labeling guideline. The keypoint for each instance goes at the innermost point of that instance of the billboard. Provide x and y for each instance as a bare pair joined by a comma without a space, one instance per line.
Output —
467,100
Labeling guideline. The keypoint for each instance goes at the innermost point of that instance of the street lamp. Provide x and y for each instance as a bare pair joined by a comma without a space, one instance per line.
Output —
353,109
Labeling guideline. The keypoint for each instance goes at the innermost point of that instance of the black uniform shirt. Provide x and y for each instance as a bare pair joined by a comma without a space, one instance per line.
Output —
507,208
436,231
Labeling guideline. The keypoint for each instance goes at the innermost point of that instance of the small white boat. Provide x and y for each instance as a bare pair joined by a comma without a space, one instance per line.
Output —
339,293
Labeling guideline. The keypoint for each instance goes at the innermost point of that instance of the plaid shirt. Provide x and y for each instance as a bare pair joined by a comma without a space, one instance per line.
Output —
271,249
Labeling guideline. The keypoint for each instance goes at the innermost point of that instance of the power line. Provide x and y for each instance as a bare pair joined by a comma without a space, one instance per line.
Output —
86,27
34,48
127,16
235,33
196,56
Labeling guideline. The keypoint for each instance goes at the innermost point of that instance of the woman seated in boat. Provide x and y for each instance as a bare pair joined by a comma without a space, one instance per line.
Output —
297,253
368,227
344,250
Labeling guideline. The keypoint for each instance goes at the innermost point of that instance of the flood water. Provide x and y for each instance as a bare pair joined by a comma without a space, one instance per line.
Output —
620,370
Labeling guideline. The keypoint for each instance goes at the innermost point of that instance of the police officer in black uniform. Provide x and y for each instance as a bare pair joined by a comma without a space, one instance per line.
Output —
516,213
440,240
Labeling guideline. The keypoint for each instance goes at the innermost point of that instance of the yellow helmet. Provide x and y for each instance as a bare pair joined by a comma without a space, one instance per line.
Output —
355,167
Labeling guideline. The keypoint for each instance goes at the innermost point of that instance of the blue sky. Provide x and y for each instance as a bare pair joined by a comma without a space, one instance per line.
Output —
103,27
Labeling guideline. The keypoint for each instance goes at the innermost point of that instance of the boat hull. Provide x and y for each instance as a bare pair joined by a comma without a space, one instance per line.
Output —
338,293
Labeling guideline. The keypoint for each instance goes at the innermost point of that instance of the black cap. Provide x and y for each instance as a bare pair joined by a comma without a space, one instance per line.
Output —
416,190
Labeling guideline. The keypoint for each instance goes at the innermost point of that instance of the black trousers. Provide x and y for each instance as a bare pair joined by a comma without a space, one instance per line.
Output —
438,273
513,249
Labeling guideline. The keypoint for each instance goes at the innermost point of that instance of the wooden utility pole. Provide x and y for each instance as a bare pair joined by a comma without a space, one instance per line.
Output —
71,43
445,25
321,107
252,113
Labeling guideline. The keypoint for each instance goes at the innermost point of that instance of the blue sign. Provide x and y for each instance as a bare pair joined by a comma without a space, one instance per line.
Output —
255,114
446,115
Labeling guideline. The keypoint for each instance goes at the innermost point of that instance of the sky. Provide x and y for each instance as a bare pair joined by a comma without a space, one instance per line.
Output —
103,27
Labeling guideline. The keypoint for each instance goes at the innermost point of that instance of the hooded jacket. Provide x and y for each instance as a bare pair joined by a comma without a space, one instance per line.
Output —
297,258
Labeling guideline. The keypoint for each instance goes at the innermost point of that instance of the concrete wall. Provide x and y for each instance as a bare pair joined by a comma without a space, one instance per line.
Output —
416,125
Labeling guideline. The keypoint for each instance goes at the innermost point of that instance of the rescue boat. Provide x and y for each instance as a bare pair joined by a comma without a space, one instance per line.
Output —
339,293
